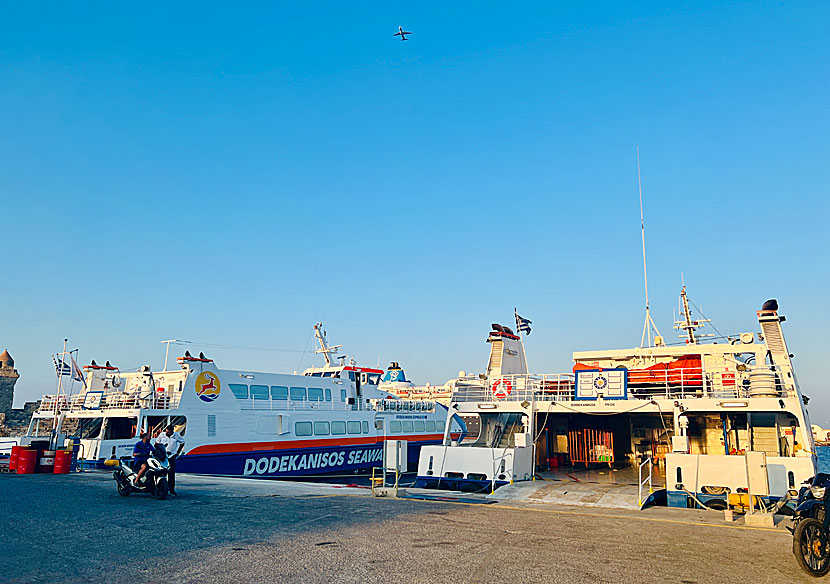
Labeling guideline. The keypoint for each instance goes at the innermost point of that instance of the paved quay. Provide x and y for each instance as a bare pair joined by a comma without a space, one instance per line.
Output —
76,528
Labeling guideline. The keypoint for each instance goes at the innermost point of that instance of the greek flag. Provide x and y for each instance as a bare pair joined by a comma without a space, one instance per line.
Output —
523,324
61,368
77,374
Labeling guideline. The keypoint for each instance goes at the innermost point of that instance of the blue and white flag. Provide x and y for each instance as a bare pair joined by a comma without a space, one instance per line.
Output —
523,324
61,368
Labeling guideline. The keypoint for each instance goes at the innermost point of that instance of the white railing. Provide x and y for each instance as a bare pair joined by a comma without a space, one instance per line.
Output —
6,445
297,405
379,405
642,482
693,382
162,400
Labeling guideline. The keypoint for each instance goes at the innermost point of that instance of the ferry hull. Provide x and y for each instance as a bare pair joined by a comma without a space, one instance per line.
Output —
294,462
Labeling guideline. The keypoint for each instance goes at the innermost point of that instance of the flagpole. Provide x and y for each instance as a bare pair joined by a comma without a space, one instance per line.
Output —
521,338
58,397
649,321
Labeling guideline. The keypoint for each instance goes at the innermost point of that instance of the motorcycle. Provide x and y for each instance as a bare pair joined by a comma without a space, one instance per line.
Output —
154,479
811,539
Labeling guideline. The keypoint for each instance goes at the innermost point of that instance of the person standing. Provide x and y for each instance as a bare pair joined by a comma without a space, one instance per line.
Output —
173,444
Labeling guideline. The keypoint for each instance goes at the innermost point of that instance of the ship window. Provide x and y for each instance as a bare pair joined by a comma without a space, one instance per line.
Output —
366,427
119,428
302,428
374,378
279,392
354,427
298,393
328,394
351,375
342,395
179,424
315,394
407,426
89,428
430,426
321,429
211,425
419,426
338,428
259,392
395,427
378,424
239,390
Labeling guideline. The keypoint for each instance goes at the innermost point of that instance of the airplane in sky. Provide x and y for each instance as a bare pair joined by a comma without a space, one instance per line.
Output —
402,33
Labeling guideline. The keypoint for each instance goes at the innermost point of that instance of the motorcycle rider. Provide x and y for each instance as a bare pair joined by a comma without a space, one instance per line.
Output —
174,444
141,452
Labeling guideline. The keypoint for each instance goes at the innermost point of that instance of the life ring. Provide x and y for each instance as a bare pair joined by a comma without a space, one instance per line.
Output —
503,391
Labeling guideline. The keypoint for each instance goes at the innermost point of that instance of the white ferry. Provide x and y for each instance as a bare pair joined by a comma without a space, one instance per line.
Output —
715,420
395,382
331,420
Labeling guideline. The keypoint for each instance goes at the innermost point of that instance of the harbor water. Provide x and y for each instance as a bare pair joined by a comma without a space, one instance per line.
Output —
823,454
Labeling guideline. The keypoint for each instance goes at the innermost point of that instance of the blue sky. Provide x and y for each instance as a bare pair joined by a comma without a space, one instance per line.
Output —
231,174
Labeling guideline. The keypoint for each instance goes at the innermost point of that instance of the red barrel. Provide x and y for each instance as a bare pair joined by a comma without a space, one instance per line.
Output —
63,460
26,460
46,461
13,458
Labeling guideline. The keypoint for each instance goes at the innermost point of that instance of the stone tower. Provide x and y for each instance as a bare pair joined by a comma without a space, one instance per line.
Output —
8,377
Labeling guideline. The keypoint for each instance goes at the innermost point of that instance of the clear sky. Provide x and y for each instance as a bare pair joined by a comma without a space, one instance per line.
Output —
231,173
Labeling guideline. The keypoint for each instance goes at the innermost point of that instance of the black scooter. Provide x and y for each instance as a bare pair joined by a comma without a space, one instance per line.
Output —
811,539
154,479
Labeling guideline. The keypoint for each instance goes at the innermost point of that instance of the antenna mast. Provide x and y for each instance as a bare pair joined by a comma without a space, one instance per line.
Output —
687,324
649,323
324,347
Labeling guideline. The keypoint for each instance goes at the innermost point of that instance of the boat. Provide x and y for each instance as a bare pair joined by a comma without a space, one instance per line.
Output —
330,420
713,420
395,382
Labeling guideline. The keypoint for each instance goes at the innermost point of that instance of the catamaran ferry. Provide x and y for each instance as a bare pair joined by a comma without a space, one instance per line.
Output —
331,420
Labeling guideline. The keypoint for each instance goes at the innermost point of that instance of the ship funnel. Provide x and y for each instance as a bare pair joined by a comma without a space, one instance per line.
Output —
394,374
770,305
507,356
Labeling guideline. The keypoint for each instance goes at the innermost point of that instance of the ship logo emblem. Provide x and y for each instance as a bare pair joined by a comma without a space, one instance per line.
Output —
600,382
208,386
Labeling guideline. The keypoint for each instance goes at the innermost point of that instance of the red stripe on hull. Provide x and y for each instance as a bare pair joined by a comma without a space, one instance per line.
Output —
318,442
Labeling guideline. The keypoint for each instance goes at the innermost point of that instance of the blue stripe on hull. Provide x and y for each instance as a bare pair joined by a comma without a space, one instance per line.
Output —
465,485
293,463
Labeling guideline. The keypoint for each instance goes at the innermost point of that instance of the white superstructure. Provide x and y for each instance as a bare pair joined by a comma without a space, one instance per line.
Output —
695,409
329,420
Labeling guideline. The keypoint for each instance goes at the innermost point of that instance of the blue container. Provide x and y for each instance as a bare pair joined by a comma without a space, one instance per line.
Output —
677,499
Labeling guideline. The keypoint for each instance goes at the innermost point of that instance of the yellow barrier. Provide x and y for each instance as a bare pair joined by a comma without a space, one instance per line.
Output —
741,501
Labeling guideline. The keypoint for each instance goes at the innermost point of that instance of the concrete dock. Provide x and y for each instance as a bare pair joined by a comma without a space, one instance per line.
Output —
76,528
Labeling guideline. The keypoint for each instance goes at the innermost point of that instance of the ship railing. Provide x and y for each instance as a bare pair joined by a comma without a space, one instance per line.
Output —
290,405
693,382
375,405
113,400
